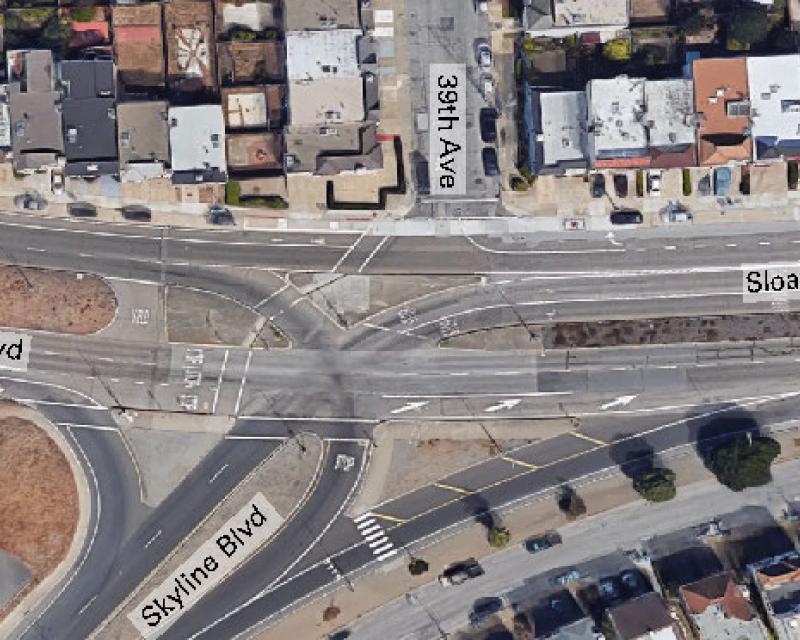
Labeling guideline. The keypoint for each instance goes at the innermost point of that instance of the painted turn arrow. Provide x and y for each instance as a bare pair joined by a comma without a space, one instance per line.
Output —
503,404
618,402
409,406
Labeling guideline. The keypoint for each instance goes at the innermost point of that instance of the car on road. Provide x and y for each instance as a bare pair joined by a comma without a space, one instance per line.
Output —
484,55
540,543
621,185
654,182
31,201
598,185
565,578
487,87
459,572
487,118
626,216
484,608
489,158
722,181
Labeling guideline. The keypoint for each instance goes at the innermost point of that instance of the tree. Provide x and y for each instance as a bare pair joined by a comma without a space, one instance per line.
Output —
744,461
570,503
499,537
417,566
618,49
749,24
331,613
655,485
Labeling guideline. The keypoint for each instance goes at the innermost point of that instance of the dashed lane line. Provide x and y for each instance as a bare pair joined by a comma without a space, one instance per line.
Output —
450,487
583,436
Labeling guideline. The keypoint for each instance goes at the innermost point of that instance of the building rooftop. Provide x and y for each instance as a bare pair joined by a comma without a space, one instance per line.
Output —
197,140
189,28
723,107
312,55
616,114
670,112
143,133
138,44
246,62
255,15
775,105
563,126
719,609
327,100
253,152
645,616
321,14
564,622
582,13
329,150
253,107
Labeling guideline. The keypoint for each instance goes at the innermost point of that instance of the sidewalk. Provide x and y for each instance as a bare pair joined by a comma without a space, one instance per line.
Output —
392,579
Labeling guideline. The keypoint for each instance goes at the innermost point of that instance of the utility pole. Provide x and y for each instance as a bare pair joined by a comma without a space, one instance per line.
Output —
413,600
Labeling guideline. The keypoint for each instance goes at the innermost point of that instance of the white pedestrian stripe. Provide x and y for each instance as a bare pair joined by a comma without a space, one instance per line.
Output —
376,538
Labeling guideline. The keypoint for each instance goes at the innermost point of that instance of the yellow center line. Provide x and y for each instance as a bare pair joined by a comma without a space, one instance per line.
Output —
450,487
520,462
382,516
583,436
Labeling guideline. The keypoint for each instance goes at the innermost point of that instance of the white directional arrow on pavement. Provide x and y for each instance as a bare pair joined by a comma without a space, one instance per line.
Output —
409,406
503,404
612,240
619,402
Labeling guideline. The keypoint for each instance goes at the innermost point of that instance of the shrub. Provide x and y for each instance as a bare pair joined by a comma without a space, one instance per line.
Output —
656,485
744,461
640,183
83,12
241,34
519,184
417,567
744,183
331,613
793,174
570,503
749,25
618,49
233,191
498,537
687,182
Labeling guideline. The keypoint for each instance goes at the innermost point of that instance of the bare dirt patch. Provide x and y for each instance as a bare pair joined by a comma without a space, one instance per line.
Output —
54,301
39,501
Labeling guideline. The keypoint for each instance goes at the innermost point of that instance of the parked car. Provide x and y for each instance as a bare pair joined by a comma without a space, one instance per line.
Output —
484,609
676,212
487,87
137,213
621,185
218,214
574,224
654,182
490,166
31,201
82,210
713,529
57,183
423,178
722,181
487,118
540,543
563,579
626,216
459,572
704,185
484,56
598,185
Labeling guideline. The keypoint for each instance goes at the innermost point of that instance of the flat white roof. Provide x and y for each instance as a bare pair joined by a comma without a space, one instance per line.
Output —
256,16
580,13
775,96
247,109
616,107
311,55
563,126
197,137
670,112
326,100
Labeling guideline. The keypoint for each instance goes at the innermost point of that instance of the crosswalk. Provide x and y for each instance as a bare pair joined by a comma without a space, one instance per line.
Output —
376,538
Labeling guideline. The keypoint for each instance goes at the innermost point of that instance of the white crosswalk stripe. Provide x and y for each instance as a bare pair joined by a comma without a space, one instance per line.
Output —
374,535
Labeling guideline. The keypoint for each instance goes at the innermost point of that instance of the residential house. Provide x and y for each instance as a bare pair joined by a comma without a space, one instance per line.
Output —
143,139
778,581
564,17
331,149
646,617
37,137
722,104
556,127
617,134
191,64
718,608
254,107
560,618
90,122
321,14
138,46
254,153
93,32
250,62
253,120
197,144
775,106
670,122
255,16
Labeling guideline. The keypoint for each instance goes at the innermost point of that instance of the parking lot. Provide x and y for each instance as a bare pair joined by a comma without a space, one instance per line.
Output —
449,31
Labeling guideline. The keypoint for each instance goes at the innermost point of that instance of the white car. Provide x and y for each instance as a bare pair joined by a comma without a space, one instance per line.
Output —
482,6
487,87
57,183
484,56
654,182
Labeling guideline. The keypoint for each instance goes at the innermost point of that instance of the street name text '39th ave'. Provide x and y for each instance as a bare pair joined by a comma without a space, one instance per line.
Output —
448,130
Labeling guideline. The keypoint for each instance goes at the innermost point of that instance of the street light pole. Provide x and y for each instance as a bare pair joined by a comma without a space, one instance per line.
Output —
413,600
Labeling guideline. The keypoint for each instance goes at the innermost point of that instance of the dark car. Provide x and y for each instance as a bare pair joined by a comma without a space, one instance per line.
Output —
621,185
459,572
598,185
626,216
540,543
490,166
488,122
136,213
423,179
483,609
220,215
82,210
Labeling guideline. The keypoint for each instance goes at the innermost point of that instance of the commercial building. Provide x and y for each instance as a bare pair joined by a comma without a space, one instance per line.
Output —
617,135
774,85
138,45
197,144
778,580
143,138
329,150
557,137
722,104
90,120
37,138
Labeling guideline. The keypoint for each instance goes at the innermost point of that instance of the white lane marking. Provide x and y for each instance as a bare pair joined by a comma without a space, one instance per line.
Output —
244,380
55,403
36,249
731,245
619,402
311,419
388,554
382,540
363,516
378,247
349,251
670,247
764,243
374,536
380,550
91,427
503,405
218,473
456,396
460,374
154,537
507,373
88,604
56,386
219,382
85,255
409,406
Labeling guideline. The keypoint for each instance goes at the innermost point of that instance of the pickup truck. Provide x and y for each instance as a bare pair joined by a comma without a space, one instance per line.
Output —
460,572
